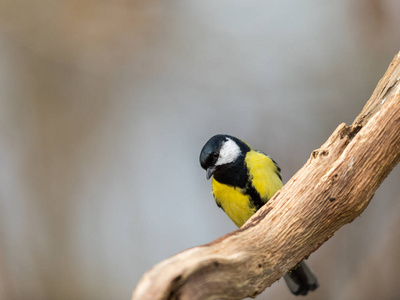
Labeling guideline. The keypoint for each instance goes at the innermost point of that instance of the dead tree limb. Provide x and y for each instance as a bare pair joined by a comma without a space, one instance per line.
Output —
330,190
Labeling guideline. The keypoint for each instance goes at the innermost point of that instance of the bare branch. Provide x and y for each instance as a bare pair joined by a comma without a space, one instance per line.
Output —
330,190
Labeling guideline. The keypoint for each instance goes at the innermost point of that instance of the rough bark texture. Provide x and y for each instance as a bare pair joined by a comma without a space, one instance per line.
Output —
330,190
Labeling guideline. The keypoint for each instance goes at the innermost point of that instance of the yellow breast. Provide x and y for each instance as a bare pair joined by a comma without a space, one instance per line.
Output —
263,174
233,201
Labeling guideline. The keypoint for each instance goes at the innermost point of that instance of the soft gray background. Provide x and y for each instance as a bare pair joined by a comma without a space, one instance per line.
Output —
105,106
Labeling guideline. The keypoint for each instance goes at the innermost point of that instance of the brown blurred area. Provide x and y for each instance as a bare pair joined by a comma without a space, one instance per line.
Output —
104,107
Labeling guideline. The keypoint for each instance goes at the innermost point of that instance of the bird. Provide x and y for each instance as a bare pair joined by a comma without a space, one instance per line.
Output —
243,180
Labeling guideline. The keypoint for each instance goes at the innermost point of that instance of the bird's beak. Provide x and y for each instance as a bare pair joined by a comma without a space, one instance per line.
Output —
210,172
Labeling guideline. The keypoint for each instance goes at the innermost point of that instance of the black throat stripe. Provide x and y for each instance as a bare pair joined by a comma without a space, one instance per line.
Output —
255,198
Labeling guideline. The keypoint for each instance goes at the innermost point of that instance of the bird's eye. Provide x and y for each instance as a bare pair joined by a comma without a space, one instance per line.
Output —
215,154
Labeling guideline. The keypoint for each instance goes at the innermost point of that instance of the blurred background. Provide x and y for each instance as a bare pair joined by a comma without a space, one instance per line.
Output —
105,106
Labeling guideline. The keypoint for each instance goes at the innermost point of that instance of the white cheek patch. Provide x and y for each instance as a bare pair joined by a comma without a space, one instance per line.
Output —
229,152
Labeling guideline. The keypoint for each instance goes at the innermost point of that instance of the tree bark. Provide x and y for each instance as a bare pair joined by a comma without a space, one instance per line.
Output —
330,190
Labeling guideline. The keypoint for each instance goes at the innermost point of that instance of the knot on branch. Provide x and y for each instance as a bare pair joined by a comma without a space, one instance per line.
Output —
350,131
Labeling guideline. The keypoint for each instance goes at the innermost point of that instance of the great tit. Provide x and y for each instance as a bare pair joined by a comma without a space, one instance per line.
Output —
244,179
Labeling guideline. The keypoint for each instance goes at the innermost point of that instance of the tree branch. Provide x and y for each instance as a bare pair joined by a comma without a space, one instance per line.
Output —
330,190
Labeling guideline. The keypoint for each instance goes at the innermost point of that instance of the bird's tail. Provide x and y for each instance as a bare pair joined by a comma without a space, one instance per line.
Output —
301,279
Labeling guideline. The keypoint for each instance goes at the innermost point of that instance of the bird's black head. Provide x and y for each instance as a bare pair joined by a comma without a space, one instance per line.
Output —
221,153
